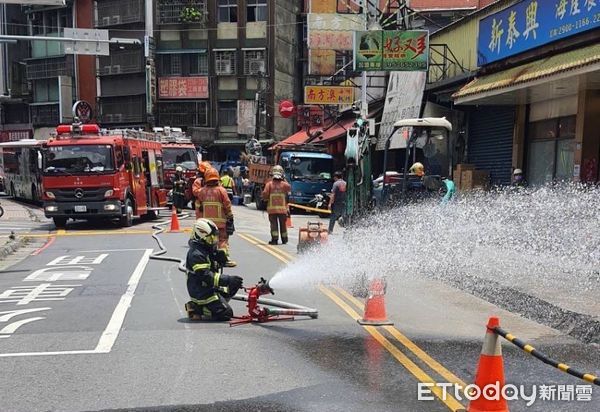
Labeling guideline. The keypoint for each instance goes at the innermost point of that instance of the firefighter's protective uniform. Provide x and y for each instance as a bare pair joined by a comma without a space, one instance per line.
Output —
210,290
276,194
197,185
179,184
214,204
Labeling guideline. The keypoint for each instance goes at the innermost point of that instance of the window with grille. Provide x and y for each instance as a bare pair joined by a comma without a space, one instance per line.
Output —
227,113
256,10
225,62
183,114
254,62
170,65
228,11
199,63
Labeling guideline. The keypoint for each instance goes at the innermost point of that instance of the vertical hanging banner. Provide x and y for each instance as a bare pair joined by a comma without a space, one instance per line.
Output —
332,31
391,50
323,6
321,62
402,101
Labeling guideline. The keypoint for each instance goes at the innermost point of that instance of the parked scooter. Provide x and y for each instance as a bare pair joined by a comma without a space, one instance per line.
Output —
321,201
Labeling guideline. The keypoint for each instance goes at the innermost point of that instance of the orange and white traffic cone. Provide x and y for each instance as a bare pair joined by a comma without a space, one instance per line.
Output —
288,221
174,221
490,373
375,306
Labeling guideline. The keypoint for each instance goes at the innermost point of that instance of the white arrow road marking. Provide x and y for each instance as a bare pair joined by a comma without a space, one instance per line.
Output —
12,327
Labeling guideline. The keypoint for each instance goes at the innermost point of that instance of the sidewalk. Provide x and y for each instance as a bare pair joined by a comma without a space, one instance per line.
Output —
19,218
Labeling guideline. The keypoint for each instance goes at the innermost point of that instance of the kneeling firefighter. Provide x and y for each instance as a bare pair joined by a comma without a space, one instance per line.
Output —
210,290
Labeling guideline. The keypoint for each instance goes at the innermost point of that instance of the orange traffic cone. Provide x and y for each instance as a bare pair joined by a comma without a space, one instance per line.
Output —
174,221
288,222
490,371
375,307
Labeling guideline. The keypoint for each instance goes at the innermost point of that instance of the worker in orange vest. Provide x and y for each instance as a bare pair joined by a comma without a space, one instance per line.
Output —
276,194
197,185
214,204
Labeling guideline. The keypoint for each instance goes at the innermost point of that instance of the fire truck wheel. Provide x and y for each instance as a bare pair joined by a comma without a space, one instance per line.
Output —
127,220
60,222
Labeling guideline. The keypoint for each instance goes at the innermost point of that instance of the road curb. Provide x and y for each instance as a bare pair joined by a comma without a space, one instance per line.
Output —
12,246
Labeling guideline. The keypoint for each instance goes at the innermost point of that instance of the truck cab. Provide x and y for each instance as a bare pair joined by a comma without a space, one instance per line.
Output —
309,173
89,174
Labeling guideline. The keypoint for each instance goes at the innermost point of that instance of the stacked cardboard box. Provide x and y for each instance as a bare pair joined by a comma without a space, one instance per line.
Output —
458,170
474,179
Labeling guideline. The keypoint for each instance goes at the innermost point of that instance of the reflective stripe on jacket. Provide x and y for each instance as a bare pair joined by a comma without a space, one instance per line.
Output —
275,193
214,204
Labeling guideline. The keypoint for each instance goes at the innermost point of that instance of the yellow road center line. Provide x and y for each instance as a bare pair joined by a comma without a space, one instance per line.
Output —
266,249
412,367
410,345
273,248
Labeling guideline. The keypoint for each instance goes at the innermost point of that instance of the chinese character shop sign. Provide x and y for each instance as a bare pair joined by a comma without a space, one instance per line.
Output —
533,23
183,87
328,95
391,50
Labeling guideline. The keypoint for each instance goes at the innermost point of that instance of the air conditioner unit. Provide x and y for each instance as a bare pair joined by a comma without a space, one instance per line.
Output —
116,19
256,66
116,69
107,69
106,21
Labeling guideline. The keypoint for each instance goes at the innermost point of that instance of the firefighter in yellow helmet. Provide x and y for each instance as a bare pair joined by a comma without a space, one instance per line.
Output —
210,290
214,204
276,194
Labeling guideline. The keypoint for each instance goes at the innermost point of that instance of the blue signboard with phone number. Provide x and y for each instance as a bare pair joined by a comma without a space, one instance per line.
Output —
533,23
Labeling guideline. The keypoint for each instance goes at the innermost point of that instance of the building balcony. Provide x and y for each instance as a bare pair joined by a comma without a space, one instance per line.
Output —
182,11
117,13
49,68
45,114
121,62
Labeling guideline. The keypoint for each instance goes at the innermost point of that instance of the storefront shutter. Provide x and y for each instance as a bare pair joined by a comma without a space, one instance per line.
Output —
490,141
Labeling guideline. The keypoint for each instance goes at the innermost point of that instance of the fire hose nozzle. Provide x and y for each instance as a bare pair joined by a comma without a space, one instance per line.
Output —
263,286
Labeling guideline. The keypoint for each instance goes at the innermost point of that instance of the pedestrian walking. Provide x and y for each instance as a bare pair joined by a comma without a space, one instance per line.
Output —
337,201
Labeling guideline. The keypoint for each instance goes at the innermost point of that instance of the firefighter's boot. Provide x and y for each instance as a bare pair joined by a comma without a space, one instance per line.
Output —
193,311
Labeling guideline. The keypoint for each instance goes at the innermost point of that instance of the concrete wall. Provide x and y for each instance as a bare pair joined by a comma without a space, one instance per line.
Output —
287,76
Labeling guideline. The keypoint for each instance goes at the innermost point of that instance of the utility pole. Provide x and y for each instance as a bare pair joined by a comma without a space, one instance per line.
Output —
258,105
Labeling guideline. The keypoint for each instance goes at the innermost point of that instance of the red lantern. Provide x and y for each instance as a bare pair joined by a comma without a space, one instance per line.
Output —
287,108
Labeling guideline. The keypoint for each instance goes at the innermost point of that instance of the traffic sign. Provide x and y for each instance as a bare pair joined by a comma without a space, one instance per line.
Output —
86,41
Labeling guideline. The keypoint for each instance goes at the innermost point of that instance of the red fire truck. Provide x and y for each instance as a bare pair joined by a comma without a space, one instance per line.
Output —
178,150
92,174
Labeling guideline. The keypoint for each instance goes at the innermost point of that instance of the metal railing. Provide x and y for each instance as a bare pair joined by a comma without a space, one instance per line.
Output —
45,69
120,62
114,13
443,64
116,110
181,11
183,114
45,114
